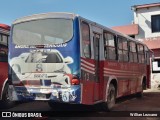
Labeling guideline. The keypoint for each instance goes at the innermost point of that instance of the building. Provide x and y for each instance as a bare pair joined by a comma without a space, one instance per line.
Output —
146,28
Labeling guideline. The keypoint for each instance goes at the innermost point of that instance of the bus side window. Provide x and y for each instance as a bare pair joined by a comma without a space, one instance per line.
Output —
105,45
146,54
125,50
109,46
122,49
86,43
3,48
140,53
133,52
4,39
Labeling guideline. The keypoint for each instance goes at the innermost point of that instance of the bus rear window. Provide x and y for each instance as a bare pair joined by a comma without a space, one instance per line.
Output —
43,31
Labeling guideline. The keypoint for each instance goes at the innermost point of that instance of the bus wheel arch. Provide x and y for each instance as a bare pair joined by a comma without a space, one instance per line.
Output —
115,84
111,94
144,87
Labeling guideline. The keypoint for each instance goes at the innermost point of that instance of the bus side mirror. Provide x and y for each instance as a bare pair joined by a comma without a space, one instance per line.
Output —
68,60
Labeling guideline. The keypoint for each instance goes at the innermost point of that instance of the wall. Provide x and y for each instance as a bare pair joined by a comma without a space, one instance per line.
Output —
156,52
142,17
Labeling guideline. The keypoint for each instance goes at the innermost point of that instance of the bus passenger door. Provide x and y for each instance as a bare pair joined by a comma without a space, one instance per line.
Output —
96,47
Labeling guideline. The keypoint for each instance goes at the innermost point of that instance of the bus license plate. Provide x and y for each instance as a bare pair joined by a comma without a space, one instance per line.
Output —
40,76
40,96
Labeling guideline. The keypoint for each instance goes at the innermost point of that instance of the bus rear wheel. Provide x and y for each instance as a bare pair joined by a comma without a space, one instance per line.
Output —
6,101
111,98
140,94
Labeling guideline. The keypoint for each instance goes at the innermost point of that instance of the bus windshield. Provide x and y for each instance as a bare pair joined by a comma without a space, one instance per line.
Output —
43,31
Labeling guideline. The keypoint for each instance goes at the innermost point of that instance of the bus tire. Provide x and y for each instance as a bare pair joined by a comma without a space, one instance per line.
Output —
140,94
6,102
111,98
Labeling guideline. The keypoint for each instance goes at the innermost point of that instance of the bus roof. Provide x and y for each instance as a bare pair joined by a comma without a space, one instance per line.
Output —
4,26
70,16
46,15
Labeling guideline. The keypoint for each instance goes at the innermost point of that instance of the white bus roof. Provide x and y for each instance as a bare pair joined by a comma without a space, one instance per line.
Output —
46,15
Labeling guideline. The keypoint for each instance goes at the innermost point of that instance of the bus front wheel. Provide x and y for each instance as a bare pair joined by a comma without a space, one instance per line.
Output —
111,98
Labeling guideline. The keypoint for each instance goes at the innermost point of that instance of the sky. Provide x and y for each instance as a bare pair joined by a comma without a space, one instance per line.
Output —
106,12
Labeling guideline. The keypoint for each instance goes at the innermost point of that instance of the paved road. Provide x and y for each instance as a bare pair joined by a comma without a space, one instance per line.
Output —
150,102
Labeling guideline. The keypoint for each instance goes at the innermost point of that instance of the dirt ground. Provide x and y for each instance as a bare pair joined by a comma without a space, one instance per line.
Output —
150,104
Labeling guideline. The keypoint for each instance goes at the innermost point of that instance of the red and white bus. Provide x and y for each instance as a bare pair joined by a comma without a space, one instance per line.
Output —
64,58
4,36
